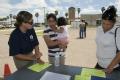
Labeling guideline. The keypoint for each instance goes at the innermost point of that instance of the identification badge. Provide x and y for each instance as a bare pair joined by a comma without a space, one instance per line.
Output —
31,37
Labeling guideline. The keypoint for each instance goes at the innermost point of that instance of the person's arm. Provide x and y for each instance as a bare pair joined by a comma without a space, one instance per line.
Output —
47,39
36,44
29,57
116,60
86,23
49,42
60,30
37,52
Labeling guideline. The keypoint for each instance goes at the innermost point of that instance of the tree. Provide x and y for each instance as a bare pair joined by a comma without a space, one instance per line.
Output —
7,17
46,19
66,14
56,12
37,15
103,9
78,10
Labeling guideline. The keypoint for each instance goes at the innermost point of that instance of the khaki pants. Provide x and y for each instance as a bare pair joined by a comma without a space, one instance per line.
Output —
20,64
52,60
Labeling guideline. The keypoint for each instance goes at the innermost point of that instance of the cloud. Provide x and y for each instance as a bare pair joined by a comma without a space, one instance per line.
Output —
36,6
61,12
41,15
117,3
26,4
5,7
90,10
55,2
61,5
32,6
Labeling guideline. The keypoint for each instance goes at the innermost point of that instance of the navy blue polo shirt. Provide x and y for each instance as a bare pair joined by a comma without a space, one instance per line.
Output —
22,43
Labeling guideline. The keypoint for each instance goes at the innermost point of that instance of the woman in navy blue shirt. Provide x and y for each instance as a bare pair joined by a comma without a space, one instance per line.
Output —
23,41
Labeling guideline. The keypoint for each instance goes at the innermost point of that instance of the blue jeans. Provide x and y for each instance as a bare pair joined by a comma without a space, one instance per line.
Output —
81,34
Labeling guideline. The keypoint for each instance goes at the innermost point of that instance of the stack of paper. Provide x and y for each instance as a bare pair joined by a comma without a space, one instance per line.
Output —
39,67
87,73
54,76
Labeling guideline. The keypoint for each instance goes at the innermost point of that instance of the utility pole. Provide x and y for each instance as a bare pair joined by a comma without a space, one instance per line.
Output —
44,8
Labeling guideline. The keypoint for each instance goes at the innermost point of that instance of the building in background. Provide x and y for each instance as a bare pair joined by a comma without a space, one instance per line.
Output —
75,23
92,19
95,19
6,23
71,12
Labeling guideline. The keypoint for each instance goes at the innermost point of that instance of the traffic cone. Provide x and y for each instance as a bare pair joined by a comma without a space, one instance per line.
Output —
7,71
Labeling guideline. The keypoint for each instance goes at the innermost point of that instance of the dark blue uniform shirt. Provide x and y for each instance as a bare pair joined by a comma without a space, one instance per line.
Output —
22,43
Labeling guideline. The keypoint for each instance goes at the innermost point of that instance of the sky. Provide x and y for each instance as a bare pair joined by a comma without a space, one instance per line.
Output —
33,6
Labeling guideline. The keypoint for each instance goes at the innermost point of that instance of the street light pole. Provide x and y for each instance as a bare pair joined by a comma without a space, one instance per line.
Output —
44,8
11,19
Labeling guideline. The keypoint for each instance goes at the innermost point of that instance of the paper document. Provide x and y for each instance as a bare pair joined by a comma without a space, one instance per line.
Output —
39,67
87,73
54,76
92,72
78,77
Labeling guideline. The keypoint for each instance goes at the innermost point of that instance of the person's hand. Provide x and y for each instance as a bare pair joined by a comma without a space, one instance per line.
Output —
109,70
32,56
63,44
38,55
40,61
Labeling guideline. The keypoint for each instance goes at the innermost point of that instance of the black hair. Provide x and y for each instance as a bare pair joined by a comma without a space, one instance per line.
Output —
110,14
61,21
51,15
22,16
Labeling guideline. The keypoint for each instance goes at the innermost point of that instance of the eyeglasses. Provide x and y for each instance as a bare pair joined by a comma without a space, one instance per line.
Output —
31,23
